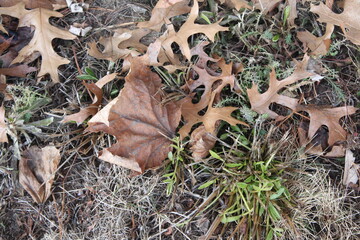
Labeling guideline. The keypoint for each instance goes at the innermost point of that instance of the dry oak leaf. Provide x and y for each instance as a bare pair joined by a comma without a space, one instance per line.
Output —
44,33
266,6
37,169
165,9
329,117
203,57
237,4
187,29
293,12
351,170
211,83
90,110
348,20
200,143
260,102
47,4
190,113
318,45
142,125
318,145
93,108
118,46
3,127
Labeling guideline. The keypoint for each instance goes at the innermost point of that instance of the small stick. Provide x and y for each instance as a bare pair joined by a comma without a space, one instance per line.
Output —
76,61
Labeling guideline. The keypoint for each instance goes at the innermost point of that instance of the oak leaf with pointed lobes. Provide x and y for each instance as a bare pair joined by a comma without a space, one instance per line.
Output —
165,9
186,30
44,33
329,117
3,127
47,4
317,45
237,4
348,20
37,169
118,46
211,83
260,102
142,125
190,113
203,57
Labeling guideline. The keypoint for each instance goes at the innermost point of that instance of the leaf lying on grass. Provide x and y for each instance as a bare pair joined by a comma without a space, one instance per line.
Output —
201,142
260,102
191,115
142,126
47,4
120,45
317,45
187,29
348,20
165,9
329,117
237,4
44,33
93,108
37,169
351,170
3,127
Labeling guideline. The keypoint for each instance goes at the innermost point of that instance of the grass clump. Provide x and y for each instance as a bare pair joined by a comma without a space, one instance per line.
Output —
250,191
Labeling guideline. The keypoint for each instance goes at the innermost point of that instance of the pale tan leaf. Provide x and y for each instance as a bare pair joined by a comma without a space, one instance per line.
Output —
44,33
131,164
237,4
351,174
165,9
47,4
3,125
187,29
329,117
348,20
37,169
200,143
266,6
122,44
91,110
318,45
260,102
106,79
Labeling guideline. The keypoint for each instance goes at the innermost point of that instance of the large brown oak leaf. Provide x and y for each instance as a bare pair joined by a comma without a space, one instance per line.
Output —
142,125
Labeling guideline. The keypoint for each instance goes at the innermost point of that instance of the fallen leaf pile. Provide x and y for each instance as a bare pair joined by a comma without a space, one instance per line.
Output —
319,116
143,118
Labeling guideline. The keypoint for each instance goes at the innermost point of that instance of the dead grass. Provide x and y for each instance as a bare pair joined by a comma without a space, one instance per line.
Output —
95,200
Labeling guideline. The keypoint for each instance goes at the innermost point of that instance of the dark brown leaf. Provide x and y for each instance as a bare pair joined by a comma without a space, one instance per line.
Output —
142,126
